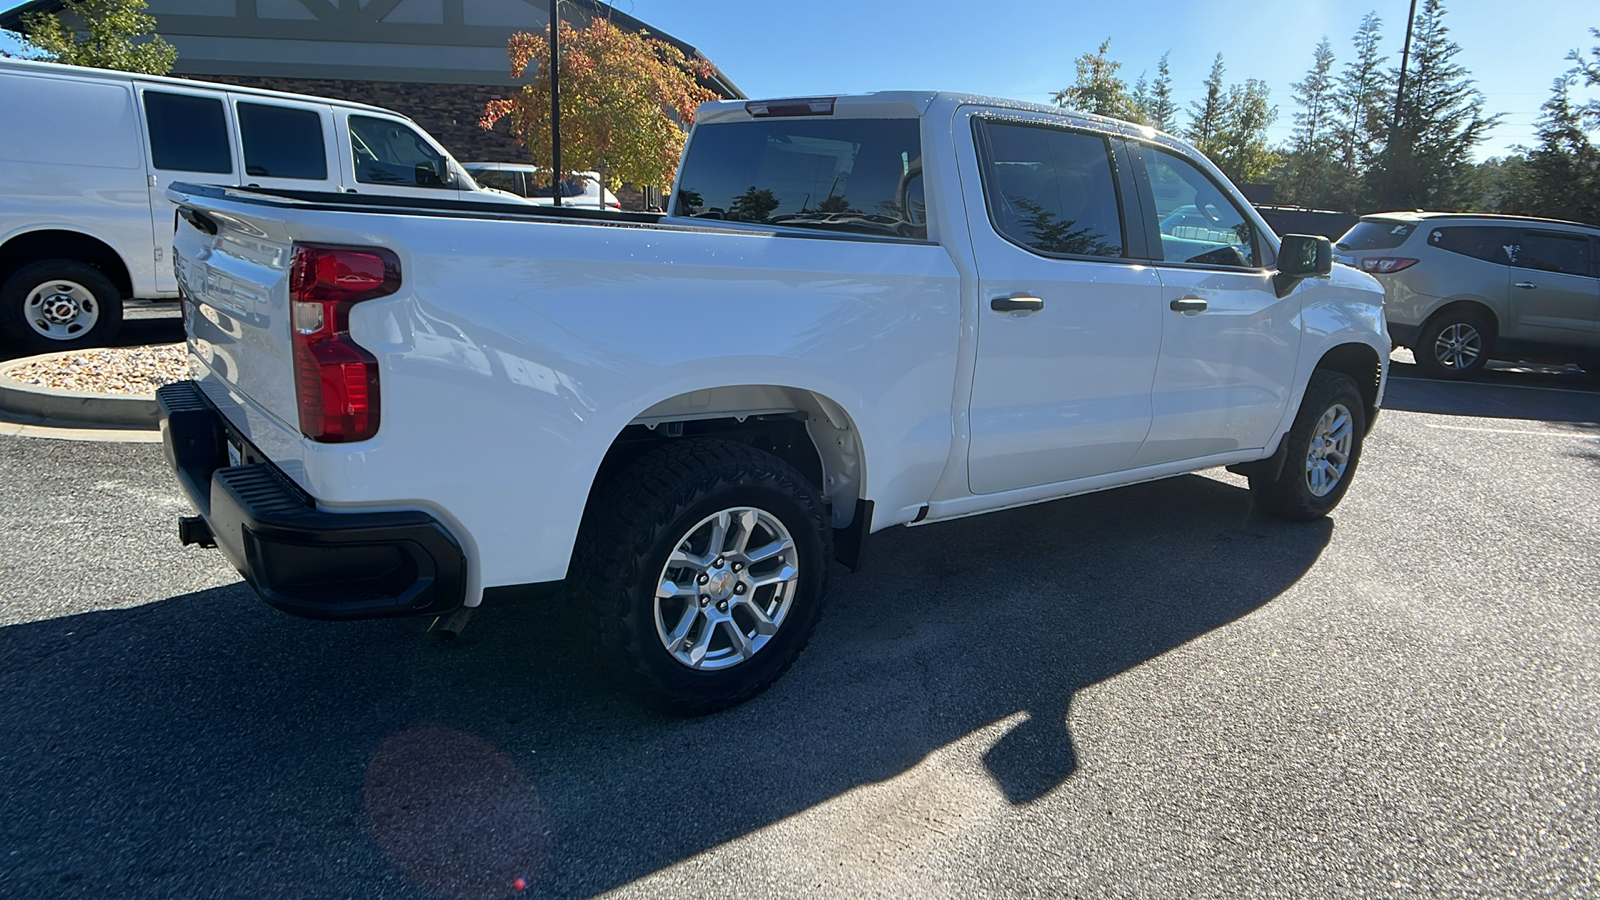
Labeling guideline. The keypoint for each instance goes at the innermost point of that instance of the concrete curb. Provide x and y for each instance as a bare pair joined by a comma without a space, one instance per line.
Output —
73,408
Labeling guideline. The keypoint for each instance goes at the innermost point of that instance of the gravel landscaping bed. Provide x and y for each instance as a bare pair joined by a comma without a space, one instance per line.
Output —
135,371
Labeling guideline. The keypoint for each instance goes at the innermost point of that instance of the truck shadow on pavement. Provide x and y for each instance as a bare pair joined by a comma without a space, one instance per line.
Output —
207,745
1577,403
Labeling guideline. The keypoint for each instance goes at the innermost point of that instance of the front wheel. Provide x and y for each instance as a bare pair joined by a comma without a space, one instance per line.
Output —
1322,446
59,304
706,563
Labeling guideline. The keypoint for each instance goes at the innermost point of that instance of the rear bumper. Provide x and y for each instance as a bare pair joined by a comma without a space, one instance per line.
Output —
302,560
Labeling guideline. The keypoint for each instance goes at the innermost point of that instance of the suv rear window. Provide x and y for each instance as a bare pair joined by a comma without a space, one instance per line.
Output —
855,175
1376,234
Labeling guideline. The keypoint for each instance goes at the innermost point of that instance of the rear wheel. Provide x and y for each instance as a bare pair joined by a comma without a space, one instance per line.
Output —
1322,446
706,563
1454,344
59,304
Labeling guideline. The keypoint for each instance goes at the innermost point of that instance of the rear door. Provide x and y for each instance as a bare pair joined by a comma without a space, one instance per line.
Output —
1554,297
286,144
191,135
1069,324
1229,343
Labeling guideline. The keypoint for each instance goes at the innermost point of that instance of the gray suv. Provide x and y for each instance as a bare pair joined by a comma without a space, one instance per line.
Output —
1462,289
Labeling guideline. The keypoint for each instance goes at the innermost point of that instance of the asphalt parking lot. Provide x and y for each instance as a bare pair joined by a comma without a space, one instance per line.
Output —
1148,692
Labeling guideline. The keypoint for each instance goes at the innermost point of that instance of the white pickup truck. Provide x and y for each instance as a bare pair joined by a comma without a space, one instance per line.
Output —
859,312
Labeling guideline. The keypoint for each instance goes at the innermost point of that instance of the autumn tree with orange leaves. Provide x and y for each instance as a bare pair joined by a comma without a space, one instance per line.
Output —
626,100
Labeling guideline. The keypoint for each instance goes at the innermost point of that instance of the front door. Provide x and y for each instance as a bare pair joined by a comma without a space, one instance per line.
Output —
1069,323
1229,343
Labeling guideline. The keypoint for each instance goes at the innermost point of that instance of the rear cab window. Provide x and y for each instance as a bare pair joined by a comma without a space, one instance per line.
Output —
1376,234
861,176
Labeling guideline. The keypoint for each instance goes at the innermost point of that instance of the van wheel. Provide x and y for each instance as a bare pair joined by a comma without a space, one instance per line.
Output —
1322,446
59,304
1454,344
706,563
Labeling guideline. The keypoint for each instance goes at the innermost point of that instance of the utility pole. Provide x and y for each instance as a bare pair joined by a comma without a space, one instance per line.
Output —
555,99
1399,95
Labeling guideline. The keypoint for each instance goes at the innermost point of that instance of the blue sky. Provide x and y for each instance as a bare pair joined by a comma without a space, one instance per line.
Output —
1023,49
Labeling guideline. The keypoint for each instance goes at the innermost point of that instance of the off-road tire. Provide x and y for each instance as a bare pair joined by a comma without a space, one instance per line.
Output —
1289,495
14,294
638,517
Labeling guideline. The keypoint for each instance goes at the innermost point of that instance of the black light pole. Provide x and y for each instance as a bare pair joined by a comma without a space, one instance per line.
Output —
555,100
1399,94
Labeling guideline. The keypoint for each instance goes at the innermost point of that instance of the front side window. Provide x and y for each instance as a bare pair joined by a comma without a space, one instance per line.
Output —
1052,191
389,152
1199,223
188,133
852,175
1488,243
282,142
1550,252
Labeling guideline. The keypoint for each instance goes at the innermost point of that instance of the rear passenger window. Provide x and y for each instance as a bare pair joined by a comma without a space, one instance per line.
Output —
1199,223
188,133
498,179
1052,191
1488,243
282,142
1549,252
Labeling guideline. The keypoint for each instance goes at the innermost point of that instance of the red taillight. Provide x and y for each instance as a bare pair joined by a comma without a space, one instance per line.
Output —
336,379
1386,265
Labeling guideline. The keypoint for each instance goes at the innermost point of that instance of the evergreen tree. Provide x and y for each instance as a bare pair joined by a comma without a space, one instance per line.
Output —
1562,178
116,34
1360,98
1441,119
1239,146
1098,90
1163,111
1140,95
1313,146
1206,115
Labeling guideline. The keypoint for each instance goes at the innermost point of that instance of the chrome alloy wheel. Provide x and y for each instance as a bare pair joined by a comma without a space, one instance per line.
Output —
1458,346
726,588
61,310
1329,454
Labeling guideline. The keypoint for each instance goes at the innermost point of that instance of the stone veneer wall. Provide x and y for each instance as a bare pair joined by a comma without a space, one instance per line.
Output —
449,112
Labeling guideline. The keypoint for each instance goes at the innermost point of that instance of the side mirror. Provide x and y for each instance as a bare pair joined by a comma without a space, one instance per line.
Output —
1305,256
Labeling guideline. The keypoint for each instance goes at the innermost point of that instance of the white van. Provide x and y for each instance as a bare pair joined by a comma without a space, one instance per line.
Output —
87,154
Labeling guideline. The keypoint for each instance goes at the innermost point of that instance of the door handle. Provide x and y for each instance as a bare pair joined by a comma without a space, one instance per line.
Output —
1016,304
1526,285
1188,304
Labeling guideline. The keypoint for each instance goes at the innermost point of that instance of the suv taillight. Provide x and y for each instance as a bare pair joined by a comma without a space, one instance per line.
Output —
1386,265
336,379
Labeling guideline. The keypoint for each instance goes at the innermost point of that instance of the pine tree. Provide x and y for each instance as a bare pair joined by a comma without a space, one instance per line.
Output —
1140,95
1360,98
1206,116
1441,119
1562,177
1239,146
1163,111
1312,146
1098,90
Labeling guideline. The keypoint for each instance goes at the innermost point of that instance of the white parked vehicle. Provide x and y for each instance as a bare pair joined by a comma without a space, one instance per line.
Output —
88,154
580,189
863,312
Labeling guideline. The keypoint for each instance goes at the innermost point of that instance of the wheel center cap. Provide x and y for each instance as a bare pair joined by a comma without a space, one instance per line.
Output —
721,583
61,309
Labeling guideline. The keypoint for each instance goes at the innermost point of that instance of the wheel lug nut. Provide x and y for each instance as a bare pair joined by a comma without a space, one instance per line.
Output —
719,563
738,567
723,606
703,578
704,600
738,588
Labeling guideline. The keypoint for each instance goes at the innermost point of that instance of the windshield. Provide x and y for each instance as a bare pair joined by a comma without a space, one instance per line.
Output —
856,175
